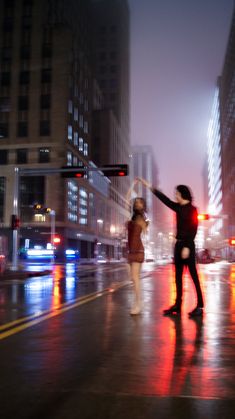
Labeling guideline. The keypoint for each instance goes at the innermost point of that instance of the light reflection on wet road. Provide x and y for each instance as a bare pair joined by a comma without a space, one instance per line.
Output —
97,359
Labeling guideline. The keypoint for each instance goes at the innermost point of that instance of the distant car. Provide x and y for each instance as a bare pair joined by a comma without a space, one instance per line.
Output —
149,260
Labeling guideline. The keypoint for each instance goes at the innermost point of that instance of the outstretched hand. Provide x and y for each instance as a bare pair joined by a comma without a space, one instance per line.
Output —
144,182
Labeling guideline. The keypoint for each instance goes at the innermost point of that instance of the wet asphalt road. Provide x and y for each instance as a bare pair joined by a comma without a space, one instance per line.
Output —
69,348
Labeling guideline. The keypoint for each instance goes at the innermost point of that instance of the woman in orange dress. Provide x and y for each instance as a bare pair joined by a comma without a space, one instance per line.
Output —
135,227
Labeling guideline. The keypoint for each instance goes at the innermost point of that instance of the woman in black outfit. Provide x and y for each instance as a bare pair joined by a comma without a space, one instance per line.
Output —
184,253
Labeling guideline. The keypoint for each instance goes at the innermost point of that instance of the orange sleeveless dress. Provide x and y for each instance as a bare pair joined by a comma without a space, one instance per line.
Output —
135,245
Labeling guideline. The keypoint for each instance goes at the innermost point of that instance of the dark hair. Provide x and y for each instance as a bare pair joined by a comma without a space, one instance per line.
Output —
185,192
139,213
143,203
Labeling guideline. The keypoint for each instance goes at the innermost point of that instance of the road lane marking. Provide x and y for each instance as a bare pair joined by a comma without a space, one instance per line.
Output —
41,313
61,309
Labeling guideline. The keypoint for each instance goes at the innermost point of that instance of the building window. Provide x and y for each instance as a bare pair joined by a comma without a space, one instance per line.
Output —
6,79
86,127
86,105
70,106
4,130
26,37
83,206
70,132
24,77
69,158
5,104
76,91
85,149
75,114
22,156
72,192
8,24
46,75
6,55
25,52
80,144
45,128
81,120
46,51
4,157
45,101
44,155
22,129
23,103
75,138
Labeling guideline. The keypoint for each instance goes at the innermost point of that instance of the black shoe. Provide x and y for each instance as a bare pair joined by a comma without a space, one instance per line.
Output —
172,311
198,311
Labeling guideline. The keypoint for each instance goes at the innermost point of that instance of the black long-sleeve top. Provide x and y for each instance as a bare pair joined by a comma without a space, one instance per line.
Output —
186,217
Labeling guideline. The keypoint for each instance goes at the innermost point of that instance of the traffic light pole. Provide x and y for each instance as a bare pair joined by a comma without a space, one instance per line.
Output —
53,214
15,233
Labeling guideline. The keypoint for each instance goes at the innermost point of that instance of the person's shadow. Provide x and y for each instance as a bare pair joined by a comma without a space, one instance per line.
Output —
187,355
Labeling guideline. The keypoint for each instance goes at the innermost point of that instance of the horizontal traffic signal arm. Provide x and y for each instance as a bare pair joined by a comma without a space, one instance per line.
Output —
119,170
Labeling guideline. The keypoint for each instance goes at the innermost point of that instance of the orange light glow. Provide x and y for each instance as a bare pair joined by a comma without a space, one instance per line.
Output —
57,240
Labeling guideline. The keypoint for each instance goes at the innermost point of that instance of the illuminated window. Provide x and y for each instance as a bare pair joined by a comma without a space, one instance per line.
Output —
80,144
70,132
85,149
69,158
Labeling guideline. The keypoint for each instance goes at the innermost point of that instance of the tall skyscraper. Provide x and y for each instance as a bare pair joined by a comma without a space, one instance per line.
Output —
227,108
112,70
215,168
48,98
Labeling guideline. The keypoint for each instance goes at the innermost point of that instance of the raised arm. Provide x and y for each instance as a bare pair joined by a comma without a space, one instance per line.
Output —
163,198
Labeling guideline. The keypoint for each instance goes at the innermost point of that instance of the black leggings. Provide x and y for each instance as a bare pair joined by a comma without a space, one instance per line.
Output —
179,267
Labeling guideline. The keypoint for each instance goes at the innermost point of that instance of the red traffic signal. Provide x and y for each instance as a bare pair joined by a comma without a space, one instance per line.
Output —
232,241
115,170
56,240
203,217
15,222
78,173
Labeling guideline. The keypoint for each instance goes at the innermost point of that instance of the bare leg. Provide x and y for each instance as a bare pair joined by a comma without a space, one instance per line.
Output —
135,276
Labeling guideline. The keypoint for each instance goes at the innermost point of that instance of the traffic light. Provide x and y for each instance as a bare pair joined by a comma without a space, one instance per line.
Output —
115,170
15,222
79,173
56,240
37,207
203,217
232,241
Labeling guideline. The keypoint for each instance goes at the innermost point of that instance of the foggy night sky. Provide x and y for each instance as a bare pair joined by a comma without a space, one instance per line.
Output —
177,53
